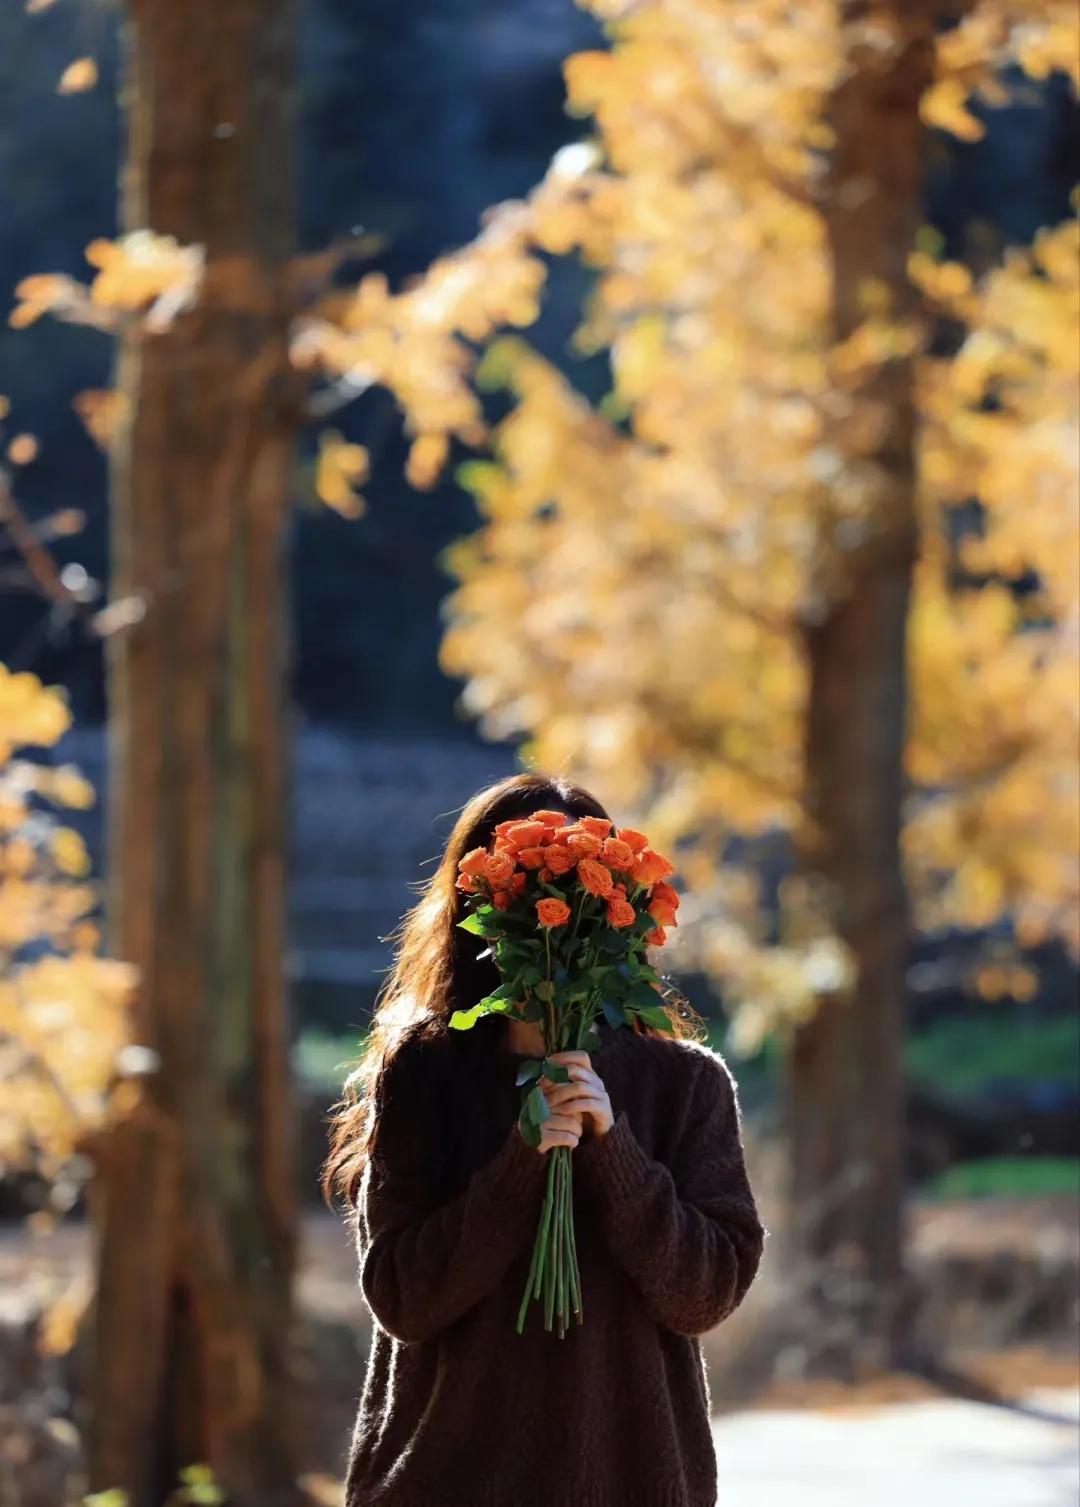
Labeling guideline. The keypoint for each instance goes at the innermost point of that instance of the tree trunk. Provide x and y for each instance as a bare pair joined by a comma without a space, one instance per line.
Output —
194,1203
845,1084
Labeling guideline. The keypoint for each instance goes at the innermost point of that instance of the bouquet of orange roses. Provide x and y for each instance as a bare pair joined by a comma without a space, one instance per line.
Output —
568,910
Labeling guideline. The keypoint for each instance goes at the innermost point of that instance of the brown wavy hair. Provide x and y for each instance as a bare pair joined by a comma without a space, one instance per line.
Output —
436,969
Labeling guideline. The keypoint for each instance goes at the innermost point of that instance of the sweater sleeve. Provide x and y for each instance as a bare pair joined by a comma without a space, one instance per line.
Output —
425,1263
689,1237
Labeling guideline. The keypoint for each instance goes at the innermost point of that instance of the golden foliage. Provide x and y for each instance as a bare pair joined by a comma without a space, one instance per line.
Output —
143,274
339,469
657,560
23,450
63,1009
996,707
78,77
102,411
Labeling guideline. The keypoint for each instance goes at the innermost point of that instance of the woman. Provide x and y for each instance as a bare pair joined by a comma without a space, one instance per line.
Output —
458,1409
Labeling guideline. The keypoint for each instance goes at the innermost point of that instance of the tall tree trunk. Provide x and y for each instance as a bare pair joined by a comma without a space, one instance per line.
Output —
845,1089
195,1199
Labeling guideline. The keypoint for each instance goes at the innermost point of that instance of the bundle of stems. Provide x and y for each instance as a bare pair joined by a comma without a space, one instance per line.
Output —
554,1277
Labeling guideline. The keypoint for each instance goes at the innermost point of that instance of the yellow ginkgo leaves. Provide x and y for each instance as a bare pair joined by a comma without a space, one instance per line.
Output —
22,449
78,77
64,1014
30,714
141,273
660,560
339,469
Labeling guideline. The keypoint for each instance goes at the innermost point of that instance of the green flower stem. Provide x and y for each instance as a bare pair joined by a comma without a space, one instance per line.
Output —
575,1274
528,1285
560,1246
549,1255
546,1228
536,1271
552,1295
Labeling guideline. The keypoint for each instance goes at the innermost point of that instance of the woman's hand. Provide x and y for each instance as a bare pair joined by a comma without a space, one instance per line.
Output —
584,1097
559,1129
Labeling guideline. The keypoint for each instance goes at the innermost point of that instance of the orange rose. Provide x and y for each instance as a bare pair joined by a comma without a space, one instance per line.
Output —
662,913
502,828
666,893
581,844
501,899
531,858
517,884
550,818
599,826
558,859
499,868
552,912
637,842
594,877
474,862
467,884
620,912
617,854
546,876
650,867
656,938
525,834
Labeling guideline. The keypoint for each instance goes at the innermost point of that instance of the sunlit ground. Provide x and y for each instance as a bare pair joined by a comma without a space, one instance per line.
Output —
933,1454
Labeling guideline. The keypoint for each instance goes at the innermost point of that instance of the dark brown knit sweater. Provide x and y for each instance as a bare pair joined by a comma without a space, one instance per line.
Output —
458,1409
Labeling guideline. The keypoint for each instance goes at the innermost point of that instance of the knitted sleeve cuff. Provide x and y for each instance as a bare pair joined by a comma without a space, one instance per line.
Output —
614,1166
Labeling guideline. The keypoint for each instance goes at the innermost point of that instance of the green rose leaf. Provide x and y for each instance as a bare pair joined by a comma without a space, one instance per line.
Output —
555,1072
534,1111
464,1020
530,1132
613,1013
472,924
528,1071
652,1015
642,995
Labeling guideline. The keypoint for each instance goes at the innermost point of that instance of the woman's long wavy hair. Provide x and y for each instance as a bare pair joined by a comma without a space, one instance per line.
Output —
436,970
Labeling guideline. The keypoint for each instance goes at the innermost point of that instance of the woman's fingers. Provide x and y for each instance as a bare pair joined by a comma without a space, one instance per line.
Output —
577,1073
559,1119
583,1095
579,1078
575,1056
577,1098
560,1129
